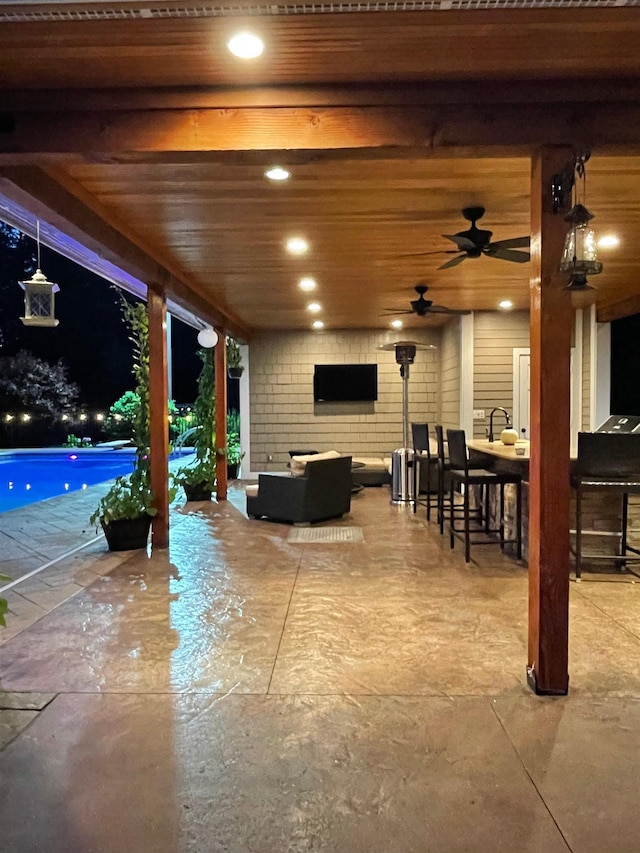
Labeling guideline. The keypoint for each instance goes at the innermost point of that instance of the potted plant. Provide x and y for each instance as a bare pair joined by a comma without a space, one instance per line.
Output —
198,479
234,359
125,511
234,456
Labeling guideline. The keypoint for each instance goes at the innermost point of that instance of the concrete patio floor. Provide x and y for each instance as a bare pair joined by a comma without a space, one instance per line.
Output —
242,692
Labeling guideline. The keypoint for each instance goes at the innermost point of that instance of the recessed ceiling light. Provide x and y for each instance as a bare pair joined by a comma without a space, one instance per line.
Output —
396,324
506,304
245,45
307,283
608,241
297,245
318,324
277,173
314,307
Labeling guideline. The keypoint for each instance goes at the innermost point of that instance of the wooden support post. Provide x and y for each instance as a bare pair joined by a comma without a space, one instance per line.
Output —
549,487
158,422
221,417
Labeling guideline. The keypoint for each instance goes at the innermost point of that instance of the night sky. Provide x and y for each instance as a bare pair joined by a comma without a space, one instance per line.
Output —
91,337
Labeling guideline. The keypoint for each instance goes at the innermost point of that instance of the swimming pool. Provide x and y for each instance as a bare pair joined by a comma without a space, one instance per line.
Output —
27,478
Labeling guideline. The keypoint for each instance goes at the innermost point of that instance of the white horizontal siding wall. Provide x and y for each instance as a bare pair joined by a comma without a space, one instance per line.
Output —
450,376
496,334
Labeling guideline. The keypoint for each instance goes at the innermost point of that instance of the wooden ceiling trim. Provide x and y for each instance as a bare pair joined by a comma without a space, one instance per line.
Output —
624,308
51,199
334,128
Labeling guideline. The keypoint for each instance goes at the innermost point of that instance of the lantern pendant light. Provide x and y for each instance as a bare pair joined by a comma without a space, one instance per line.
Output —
39,300
580,254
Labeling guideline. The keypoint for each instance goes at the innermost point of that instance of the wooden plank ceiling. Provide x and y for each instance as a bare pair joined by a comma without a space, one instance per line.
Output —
144,137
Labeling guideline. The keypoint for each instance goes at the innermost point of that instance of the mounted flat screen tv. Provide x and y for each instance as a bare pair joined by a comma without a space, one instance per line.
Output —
340,383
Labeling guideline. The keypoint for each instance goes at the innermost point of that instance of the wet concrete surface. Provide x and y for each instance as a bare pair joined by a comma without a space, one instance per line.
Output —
243,693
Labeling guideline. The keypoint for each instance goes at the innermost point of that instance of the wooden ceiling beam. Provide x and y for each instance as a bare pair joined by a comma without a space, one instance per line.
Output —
618,310
438,128
551,91
53,197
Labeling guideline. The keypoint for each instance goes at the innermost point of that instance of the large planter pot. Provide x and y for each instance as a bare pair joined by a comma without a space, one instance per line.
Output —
126,534
234,372
232,470
197,492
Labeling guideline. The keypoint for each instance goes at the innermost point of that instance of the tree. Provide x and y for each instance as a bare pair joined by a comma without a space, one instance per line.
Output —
31,383
17,252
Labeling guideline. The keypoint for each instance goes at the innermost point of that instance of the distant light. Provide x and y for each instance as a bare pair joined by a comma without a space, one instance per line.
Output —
277,173
314,307
66,487
396,324
318,324
207,337
297,245
608,241
245,45
65,417
307,283
73,456
83,417
26,418
506,304
28,487
117,417
99,416
8,418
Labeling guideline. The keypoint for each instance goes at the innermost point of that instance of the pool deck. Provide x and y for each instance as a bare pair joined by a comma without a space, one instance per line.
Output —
51,552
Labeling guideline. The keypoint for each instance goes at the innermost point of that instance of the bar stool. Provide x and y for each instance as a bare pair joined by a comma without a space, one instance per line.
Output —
606,463
444,482
462,474
425,473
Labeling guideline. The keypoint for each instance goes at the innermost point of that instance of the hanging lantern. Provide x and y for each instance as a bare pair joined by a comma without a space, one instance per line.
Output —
39,304
580,253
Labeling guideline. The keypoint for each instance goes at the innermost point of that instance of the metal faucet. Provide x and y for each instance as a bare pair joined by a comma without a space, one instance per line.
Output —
506,414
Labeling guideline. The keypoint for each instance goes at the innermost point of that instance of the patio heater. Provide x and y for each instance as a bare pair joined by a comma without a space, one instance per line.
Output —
402,459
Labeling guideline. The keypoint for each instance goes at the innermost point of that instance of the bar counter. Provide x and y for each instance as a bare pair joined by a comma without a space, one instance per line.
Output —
601,511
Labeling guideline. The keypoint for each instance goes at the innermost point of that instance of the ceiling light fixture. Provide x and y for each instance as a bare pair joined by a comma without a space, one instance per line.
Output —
307,284
318,324
608,241
297,245
277,173
396,324
207,337
314,307
506,304
245,45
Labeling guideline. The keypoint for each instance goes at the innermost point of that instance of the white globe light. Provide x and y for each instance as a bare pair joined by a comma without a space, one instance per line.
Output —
245,46
207,337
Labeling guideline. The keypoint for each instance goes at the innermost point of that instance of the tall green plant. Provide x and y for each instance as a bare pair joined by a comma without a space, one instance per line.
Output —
203,471
137,319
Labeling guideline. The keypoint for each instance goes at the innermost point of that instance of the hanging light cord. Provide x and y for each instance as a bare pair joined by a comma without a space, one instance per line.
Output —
38,240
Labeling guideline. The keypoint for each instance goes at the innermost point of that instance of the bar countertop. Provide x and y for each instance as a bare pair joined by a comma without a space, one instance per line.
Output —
497,448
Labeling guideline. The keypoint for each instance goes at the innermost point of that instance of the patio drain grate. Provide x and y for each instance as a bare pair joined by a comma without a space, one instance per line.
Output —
326,534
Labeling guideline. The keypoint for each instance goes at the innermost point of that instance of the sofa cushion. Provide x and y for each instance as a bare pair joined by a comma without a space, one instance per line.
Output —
298,464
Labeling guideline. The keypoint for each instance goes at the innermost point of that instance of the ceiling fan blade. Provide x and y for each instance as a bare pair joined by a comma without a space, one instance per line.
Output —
510,255
397,311
463,243
515,243
440,309
453,262
423,254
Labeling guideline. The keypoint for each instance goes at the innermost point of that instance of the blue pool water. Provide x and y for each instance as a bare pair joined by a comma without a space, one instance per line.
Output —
27,478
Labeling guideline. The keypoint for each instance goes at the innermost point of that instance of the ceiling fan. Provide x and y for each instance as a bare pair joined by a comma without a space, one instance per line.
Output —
423,307
475,242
